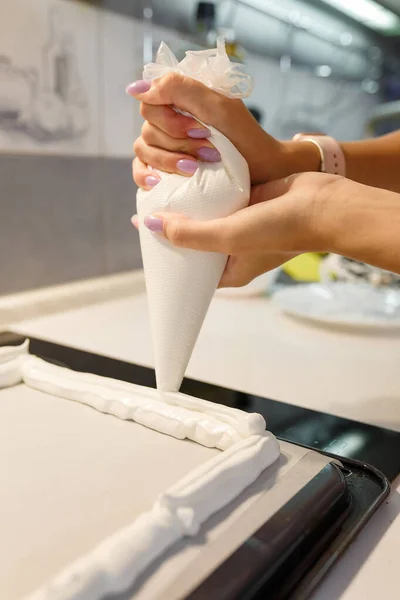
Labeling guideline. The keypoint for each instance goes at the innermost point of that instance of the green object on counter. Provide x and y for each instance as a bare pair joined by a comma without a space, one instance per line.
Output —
305,268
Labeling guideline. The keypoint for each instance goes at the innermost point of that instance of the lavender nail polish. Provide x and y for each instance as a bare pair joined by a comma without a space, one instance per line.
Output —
187,166
209,154
152,180
138,87
154,223
199,133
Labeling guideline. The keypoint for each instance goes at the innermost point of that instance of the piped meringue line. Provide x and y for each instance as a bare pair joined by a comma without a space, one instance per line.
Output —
116,563
246,424
11,371
250,457
8,353
172,413
11,362
141,404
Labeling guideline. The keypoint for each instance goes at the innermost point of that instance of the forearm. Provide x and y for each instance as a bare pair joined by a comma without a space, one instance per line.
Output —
374,162
363,223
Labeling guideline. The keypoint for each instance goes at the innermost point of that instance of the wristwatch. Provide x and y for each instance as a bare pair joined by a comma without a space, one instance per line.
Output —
332,157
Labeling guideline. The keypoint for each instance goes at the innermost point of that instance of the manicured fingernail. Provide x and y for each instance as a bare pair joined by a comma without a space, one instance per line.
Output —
152,180
187,166
209,154
199,133
135,221
138,87
153,223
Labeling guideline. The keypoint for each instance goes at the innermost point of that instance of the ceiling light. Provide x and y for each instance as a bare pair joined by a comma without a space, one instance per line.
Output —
370,86
323,70
369,13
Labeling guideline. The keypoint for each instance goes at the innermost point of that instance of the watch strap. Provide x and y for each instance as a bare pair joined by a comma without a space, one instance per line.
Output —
332,156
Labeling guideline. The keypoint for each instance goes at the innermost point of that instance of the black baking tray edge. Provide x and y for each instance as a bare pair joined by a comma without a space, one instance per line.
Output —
292,551
289,554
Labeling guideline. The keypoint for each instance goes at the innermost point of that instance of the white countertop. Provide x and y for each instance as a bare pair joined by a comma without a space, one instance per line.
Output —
248,345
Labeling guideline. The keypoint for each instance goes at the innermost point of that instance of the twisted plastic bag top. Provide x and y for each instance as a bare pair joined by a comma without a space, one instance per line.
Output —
211,67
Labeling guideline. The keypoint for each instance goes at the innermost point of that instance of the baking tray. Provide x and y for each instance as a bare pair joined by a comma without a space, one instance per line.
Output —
292,551
290,554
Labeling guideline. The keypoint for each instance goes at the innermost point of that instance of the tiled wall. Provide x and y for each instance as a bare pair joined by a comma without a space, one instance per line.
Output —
64,218
66,202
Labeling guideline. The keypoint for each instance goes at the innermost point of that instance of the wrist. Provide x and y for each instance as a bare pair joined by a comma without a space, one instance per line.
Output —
336,214
298,157
362,223
316,211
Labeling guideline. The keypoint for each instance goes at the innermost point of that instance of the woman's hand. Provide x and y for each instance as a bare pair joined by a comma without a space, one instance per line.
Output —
168,138
175,143
284,218
310,212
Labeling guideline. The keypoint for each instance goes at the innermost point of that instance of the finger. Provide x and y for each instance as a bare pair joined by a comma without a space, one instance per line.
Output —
143,177
169,162
172,123
201,149
242,269
272,226
183,92
209,236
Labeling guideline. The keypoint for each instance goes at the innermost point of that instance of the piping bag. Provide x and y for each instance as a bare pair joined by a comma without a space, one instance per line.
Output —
180,282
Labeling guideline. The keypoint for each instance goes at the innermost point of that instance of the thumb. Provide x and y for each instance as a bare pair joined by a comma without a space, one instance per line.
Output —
208,236
262,227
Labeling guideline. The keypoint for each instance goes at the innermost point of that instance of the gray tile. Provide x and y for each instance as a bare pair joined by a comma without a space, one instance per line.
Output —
51,228
118,197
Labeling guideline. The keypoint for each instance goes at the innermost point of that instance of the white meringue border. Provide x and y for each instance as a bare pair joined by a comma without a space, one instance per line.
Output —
114,565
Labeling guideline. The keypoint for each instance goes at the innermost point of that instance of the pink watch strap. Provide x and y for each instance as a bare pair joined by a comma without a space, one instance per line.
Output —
332,157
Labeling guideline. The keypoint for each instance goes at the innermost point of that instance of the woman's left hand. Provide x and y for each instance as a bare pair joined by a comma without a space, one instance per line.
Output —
285,218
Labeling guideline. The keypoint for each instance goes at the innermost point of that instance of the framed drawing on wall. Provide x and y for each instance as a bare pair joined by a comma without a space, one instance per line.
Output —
49,77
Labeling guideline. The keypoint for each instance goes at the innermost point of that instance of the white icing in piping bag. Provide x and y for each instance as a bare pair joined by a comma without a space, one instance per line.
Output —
180,282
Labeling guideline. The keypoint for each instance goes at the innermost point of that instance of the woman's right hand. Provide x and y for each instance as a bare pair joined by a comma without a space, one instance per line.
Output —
175,143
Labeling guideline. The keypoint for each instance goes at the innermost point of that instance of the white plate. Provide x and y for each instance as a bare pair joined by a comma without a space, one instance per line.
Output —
348,304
